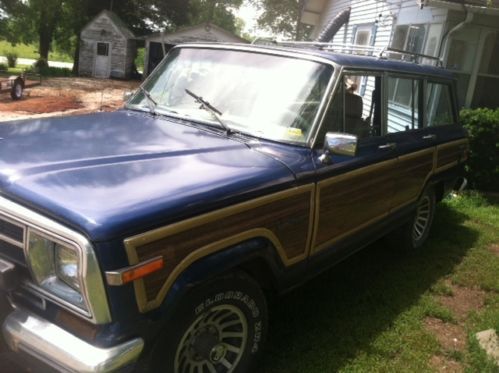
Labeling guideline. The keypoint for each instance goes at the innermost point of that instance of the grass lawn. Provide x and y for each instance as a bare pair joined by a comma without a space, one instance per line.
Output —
386,311
30,51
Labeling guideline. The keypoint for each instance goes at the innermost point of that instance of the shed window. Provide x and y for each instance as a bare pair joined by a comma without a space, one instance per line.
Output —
102,49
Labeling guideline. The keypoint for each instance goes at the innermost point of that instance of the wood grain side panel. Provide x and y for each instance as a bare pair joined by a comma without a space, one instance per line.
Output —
411,174
451,154
349,201
284,218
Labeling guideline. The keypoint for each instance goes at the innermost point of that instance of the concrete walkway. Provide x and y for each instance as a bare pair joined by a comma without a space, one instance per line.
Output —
29,61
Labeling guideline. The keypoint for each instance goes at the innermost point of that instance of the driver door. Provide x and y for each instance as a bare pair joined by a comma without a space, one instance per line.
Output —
353,192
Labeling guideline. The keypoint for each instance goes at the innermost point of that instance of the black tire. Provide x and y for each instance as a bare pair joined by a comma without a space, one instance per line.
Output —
204,327
16,92
413,234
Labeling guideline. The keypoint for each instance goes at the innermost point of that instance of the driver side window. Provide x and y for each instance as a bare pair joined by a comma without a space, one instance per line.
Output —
355,109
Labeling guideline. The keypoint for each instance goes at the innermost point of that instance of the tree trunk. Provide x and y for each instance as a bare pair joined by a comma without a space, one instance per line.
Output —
76,57
46,28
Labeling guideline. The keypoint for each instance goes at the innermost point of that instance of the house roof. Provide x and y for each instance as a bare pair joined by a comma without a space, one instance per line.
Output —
205,32
121,27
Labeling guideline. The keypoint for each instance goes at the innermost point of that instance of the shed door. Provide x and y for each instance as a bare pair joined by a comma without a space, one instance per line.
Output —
101,68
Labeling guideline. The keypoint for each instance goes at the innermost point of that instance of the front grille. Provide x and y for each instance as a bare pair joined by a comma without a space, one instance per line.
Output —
12,240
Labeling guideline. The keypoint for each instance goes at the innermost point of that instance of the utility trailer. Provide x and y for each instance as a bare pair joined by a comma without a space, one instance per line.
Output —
16,84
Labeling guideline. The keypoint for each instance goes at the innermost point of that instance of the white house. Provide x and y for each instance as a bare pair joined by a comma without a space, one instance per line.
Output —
464,34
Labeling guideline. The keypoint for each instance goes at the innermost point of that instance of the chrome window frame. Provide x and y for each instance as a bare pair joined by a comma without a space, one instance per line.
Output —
93,291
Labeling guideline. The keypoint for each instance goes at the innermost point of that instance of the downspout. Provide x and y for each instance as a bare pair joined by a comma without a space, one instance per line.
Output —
446,38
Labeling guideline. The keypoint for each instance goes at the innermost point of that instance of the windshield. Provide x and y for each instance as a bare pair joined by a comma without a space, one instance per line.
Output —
264,95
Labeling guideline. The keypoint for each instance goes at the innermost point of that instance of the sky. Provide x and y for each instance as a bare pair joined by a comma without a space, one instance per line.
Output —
249,15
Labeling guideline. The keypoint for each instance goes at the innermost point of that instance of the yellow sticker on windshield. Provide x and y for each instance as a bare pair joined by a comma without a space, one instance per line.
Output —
294,132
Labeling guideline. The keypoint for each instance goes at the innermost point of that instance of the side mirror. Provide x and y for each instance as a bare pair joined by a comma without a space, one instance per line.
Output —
128,95
338,144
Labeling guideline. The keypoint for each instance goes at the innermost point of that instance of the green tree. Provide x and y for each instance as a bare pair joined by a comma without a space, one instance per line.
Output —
218,12
282,17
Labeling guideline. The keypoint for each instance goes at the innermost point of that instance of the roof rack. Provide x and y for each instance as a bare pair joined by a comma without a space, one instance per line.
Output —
356,49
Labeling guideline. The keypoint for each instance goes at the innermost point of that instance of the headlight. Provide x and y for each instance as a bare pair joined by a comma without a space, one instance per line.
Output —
56,268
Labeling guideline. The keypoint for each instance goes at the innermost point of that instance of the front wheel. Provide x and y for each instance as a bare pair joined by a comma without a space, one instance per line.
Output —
219,327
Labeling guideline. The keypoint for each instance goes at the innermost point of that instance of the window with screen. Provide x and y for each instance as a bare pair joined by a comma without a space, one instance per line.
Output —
438,102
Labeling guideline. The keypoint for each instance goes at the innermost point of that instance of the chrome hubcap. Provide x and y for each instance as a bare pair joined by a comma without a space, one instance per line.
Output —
214,342
422,219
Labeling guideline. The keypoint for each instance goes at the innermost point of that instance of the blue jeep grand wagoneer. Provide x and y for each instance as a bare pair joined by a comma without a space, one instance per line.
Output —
145,239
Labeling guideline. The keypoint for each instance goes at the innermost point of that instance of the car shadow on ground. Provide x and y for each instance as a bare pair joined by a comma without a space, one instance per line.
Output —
336,316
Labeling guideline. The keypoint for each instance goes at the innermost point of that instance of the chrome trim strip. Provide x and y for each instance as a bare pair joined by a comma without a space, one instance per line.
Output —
93,287
11,241
24,331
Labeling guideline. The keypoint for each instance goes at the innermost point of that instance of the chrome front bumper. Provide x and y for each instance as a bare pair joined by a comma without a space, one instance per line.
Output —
26,332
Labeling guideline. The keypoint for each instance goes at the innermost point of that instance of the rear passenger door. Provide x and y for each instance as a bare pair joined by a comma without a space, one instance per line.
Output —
353,192
442,126
405,128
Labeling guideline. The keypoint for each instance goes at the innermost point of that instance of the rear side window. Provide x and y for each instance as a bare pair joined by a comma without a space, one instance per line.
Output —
438,105
403,104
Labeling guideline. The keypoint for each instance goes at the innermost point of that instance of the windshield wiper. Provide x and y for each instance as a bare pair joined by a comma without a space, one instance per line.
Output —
150,101
205,105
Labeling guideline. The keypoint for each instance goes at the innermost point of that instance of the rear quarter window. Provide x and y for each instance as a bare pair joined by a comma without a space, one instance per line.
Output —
439,108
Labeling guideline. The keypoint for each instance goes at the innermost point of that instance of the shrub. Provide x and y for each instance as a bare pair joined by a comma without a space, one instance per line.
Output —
3,67
483,165
11,59
48,71
41,63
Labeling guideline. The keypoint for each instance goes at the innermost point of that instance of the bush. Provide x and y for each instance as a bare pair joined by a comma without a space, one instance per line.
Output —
41,63
11,59
48,71
3,67
483,165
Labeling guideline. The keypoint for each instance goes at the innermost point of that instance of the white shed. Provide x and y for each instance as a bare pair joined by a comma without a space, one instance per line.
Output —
107,47
158,44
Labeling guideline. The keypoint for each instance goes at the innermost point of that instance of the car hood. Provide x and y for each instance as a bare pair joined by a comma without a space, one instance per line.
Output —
113,174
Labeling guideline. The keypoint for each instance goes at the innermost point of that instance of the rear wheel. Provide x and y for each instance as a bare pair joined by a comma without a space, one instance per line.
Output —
412,235
219,327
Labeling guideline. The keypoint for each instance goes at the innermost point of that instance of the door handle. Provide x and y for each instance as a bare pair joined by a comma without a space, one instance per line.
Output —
429,137
390,145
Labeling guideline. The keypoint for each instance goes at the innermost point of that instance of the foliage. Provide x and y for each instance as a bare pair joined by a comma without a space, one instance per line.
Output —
483,164
47,71
282,17
31,51
218,12
11,59
59,22
41,63
3,67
